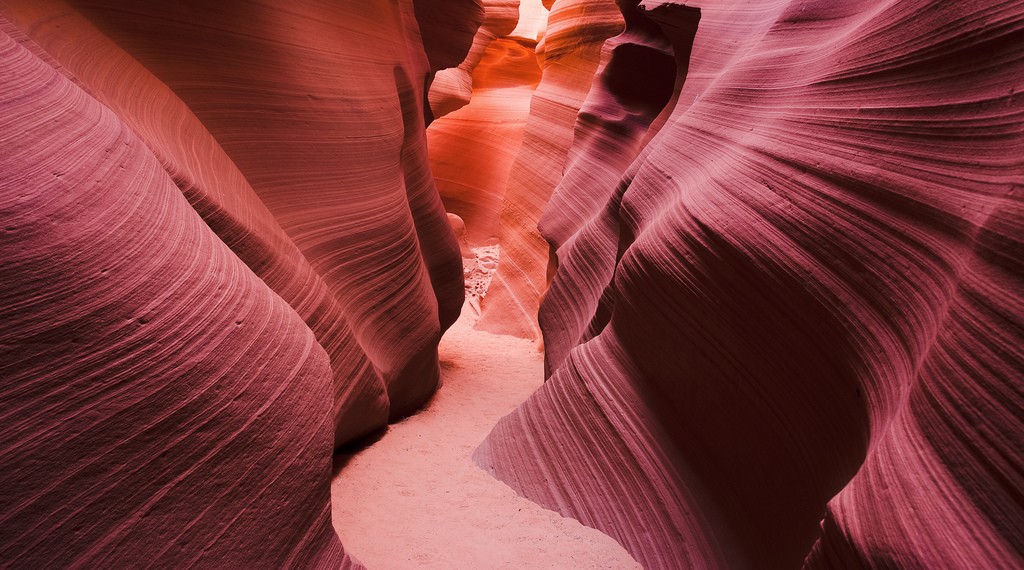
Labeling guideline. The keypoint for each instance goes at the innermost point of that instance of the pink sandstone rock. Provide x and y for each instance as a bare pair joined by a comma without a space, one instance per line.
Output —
569,55
308,141
446,28
792,331
222,258
786,325
634,85
161,404
218,191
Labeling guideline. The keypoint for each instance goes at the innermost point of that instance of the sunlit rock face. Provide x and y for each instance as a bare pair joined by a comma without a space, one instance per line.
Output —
786,325
472,149
569,55
223,255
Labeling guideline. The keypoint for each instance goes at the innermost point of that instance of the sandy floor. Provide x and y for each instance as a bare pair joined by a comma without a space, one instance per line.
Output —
415,499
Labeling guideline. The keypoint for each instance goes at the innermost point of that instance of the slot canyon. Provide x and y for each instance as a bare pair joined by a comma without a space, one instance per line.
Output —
472,284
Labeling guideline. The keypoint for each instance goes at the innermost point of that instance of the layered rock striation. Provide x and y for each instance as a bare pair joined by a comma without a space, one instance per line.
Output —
223,255
472,149
452,88
569,55
786,324
783,241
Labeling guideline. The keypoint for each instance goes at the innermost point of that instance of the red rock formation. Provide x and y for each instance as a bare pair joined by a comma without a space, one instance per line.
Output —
446,28
634,85
328,169
302,180
786,325
219,192
452,88
793,328
160,402
223,253
473,148
569,55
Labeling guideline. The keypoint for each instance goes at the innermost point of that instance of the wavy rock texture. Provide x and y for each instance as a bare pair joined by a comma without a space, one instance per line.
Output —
219,192
346,175
635,83
324,216
452,88
222,257
792,332
569,56
160,402
473,148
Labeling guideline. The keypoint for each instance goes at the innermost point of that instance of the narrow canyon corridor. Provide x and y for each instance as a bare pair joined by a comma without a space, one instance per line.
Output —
416,499
512,284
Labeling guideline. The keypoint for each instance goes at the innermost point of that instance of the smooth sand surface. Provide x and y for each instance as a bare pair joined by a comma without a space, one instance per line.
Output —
416,499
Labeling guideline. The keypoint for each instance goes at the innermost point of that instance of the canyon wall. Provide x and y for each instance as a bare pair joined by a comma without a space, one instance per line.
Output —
472,148
569,54
786,325
452,88
782,311
223,255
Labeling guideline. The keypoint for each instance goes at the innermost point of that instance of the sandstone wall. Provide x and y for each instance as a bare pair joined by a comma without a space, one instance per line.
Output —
223,255
792,326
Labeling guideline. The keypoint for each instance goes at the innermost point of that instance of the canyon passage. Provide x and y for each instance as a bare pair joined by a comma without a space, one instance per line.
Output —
512,284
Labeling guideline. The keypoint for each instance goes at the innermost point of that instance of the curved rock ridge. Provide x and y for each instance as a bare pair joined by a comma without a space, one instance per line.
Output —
218,191
792,331
452,88
473,148
635,83
569,55
222,258
345,172
290,208
161,404
447,28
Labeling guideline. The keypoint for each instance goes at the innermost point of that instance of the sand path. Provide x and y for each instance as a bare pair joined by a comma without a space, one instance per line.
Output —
416,499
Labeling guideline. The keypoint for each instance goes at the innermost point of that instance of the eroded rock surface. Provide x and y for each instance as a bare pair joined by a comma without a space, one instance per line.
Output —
784,326
791,330
452,88
223,255
473,148
569,55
